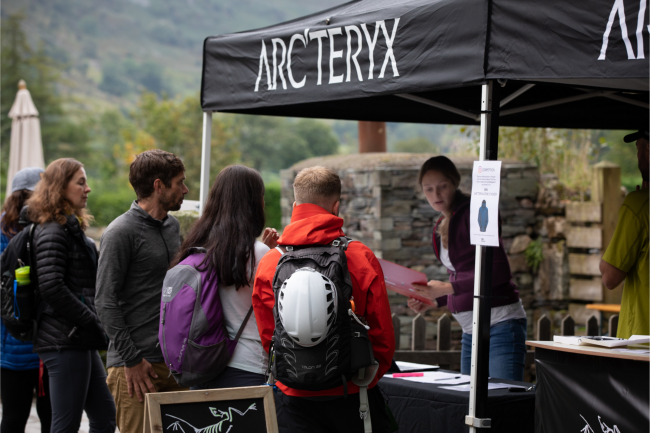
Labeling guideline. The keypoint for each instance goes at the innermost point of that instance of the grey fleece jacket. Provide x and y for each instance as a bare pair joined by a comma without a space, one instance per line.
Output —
134,255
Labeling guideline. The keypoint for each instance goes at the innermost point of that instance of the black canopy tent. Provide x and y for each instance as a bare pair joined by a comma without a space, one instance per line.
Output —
557,64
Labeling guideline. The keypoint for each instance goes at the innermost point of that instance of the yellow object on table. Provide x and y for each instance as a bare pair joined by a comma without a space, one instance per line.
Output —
605,308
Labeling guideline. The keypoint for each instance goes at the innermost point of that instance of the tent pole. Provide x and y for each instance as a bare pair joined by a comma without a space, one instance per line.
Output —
478,416
205,159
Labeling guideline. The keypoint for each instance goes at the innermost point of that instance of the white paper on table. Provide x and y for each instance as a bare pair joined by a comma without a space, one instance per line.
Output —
634,351
412,366
430,377
465,388
484,205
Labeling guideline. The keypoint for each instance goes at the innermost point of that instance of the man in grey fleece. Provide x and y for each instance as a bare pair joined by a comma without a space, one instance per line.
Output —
135,252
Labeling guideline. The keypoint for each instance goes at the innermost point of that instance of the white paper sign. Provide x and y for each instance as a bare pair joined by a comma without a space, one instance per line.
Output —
484,207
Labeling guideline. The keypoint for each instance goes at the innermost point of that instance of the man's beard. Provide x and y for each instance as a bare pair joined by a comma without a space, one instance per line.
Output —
169,204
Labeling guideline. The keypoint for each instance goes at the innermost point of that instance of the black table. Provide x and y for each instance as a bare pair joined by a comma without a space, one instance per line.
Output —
424,407
590,389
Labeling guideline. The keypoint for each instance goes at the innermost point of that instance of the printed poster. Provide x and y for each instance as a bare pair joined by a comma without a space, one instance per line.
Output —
484,207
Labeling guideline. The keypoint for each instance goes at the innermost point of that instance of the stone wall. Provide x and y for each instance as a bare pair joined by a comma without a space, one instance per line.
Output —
383,208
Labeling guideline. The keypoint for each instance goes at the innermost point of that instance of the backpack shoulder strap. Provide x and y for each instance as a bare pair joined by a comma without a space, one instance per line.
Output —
243,325
193,250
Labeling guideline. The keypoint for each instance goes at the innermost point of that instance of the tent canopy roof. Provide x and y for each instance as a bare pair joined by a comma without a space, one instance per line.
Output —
564,65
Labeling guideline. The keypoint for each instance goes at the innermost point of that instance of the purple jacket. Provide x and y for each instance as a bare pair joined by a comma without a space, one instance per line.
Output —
462,256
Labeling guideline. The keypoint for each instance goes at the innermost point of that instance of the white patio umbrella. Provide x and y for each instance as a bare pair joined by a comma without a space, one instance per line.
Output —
26,148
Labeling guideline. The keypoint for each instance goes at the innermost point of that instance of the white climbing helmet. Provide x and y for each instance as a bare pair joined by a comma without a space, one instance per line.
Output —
307,306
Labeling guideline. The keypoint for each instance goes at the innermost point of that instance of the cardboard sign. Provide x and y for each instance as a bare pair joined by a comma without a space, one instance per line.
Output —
484,207
234,410
404,281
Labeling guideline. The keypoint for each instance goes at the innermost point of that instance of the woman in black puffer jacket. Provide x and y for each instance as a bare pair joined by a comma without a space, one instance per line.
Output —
69,331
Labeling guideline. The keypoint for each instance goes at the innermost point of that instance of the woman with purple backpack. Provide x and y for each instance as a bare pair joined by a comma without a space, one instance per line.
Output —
228,228
439,179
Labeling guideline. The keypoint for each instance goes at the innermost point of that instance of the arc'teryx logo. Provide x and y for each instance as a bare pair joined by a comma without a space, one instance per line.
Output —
619,9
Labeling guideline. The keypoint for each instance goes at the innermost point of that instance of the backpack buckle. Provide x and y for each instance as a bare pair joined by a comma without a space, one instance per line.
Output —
289,248
336,243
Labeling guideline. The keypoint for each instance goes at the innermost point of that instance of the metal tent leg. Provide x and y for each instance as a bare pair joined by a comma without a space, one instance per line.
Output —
205,159
478,416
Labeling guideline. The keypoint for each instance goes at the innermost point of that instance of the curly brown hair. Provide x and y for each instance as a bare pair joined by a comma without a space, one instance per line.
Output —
12,207
48,202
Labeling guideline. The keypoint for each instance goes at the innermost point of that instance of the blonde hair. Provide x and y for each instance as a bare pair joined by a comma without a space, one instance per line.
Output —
447,168
317,185
48,202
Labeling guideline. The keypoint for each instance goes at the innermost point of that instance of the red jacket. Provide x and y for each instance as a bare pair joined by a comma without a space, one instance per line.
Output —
311,224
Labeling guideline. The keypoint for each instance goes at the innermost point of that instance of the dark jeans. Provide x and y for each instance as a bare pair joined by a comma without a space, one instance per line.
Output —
232,378
507,350
78,383
18,389
340,415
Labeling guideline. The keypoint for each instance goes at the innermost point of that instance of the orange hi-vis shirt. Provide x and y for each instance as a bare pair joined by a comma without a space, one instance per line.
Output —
313,225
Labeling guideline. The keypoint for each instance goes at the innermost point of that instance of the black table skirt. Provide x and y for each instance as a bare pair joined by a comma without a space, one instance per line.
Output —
423,407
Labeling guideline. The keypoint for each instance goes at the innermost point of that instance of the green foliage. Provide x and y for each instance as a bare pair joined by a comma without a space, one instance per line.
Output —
108,200
416,145
61,137
272,208
534,254
275,143
621,153
567,153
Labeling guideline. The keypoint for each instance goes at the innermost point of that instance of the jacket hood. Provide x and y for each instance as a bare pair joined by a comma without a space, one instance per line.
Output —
311,225
140,213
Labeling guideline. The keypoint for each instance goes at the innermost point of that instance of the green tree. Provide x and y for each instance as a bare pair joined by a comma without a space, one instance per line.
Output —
320,138
61,137
175,125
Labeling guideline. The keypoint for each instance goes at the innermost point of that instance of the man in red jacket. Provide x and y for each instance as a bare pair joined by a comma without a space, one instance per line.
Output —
315,221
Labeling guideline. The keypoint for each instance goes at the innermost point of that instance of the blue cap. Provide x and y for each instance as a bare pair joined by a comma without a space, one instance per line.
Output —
27,178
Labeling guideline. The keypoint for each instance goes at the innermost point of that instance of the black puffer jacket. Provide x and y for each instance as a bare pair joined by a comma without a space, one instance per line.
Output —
66,264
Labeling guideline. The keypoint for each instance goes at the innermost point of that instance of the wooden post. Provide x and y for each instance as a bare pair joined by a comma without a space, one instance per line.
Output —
544,329
397,330
592,326
419,333
606,189
613,325
372,137
444,332
568,326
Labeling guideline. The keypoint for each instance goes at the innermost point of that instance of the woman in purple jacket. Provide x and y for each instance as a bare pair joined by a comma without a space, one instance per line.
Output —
439,180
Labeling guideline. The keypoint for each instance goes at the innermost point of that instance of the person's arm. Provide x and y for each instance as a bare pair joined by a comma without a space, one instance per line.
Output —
623,250
263,298
378,314
114,259
612,276
51,251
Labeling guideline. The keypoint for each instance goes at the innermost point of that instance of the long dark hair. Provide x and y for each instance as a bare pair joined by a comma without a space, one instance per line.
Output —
232,219
12,207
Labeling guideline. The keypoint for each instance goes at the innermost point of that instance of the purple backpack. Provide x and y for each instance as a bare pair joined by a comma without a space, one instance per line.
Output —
193,338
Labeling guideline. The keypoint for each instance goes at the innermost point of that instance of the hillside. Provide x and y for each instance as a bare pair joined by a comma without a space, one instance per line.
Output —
114,48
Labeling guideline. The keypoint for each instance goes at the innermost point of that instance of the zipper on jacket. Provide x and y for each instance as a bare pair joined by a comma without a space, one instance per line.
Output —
165,242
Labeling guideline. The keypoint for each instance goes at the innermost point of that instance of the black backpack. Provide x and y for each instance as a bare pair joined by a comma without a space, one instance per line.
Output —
315,368
19,307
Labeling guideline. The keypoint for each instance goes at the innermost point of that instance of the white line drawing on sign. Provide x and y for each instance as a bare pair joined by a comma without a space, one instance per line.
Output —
605,429
214,428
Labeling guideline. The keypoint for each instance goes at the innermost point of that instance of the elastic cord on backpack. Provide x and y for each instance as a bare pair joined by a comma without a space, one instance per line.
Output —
16,309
